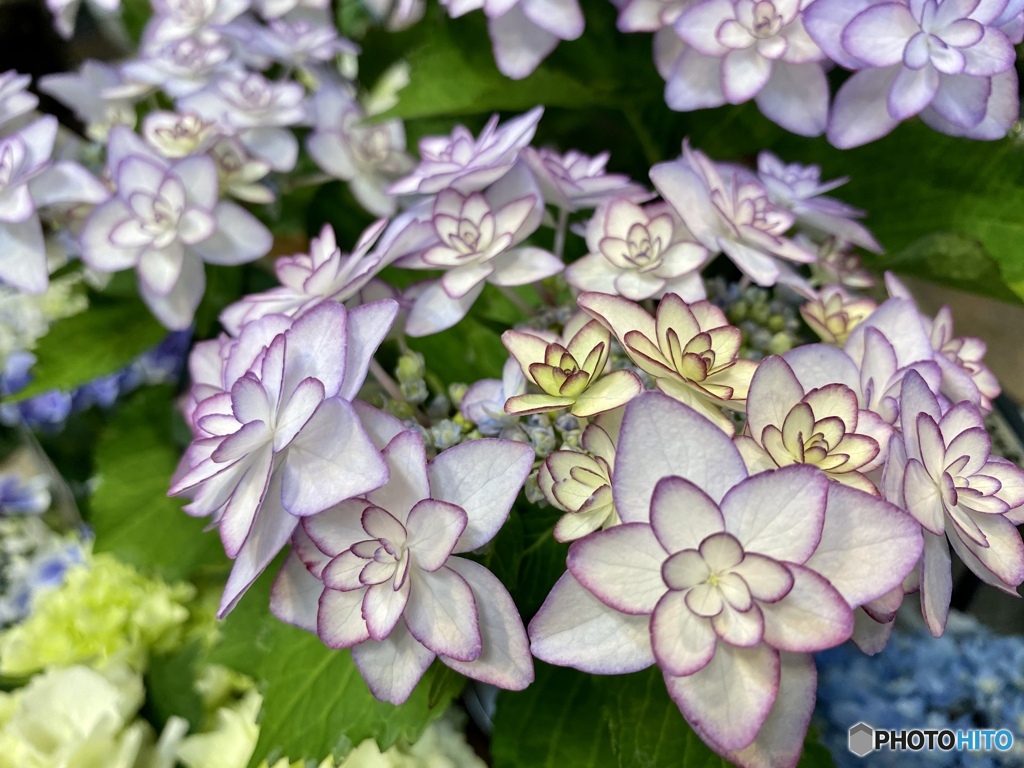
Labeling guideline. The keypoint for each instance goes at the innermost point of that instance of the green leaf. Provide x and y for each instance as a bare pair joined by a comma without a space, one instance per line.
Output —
647,730
314,701
170,688
555,723
97,342
453,73
130,512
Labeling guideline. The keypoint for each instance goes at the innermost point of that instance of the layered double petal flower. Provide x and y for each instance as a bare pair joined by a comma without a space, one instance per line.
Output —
726,582
569,372
943,473
165,219
639,253
822,427
731,212
282,440
690,349
381,574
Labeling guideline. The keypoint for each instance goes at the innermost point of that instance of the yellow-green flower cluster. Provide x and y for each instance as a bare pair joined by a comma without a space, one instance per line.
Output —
105,612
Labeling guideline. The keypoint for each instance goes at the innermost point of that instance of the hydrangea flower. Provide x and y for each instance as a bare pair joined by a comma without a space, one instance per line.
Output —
943,59
325,274
574,181
822,427
690,349
298,42
259,110
466,164
799,189
29,180
165,219
964,374
738,50
478,236
281,440
580,483
238,171
393,588
523,32
726,582
650,15
639,253
369,156
959,493
178,19
24,496
730,213
180,67
176,136
833,313
569,371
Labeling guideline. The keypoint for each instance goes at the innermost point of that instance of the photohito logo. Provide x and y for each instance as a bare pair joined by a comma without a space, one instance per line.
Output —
863,740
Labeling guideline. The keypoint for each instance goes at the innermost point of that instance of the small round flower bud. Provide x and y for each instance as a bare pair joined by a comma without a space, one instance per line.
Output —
446,434
531,488
414,391
399,409
543,440
410,367
456,392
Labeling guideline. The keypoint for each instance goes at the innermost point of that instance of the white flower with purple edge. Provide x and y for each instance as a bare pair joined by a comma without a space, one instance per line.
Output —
823,427
946,477
282,440
165,220
466,163
484,401
650,15
799,188
369,156
574,181
177,19
29,180
639,253
943,59
258,110
479,238
731,212
727,582
180,67
833,313
381,575
738,50
91,93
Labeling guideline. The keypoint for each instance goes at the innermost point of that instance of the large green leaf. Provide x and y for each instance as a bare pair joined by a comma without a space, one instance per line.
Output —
314,701
97,342
130,512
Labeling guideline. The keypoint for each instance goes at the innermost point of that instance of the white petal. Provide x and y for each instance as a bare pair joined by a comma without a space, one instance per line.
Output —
394,666
295,596
936,582
367,326
683,642
434,528
316,347
340,622
407,479
621,566
482,477
779,514
661,438
812,617
575,629
505,659
774,390
442,614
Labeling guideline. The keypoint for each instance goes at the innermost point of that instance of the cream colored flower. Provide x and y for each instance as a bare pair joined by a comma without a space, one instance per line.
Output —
833,313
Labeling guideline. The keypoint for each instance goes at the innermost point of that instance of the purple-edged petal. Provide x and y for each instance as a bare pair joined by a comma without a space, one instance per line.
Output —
504,659
661,438
383,606
338,528
813,616
729,699
859,112
483,477
340,622
442,614
774,391
779,514
867,546
295,595
621,566
434,528
879,35
312,349
682,641
796,97
936,583
575,629
407,483
330,460
392,667
682,515
367,326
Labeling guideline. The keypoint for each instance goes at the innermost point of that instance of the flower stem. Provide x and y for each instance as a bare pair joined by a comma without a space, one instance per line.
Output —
384,379
561,229
516,299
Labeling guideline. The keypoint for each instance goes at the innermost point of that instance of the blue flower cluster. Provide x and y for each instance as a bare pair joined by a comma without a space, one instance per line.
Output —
50,410
968,678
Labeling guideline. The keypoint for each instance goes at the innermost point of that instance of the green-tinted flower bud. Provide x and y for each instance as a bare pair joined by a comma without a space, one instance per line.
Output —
414,391
446,434
531,488
400,409
456,392
410,367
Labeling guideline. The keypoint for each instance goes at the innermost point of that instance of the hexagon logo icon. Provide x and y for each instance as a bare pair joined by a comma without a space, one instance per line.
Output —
862,739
